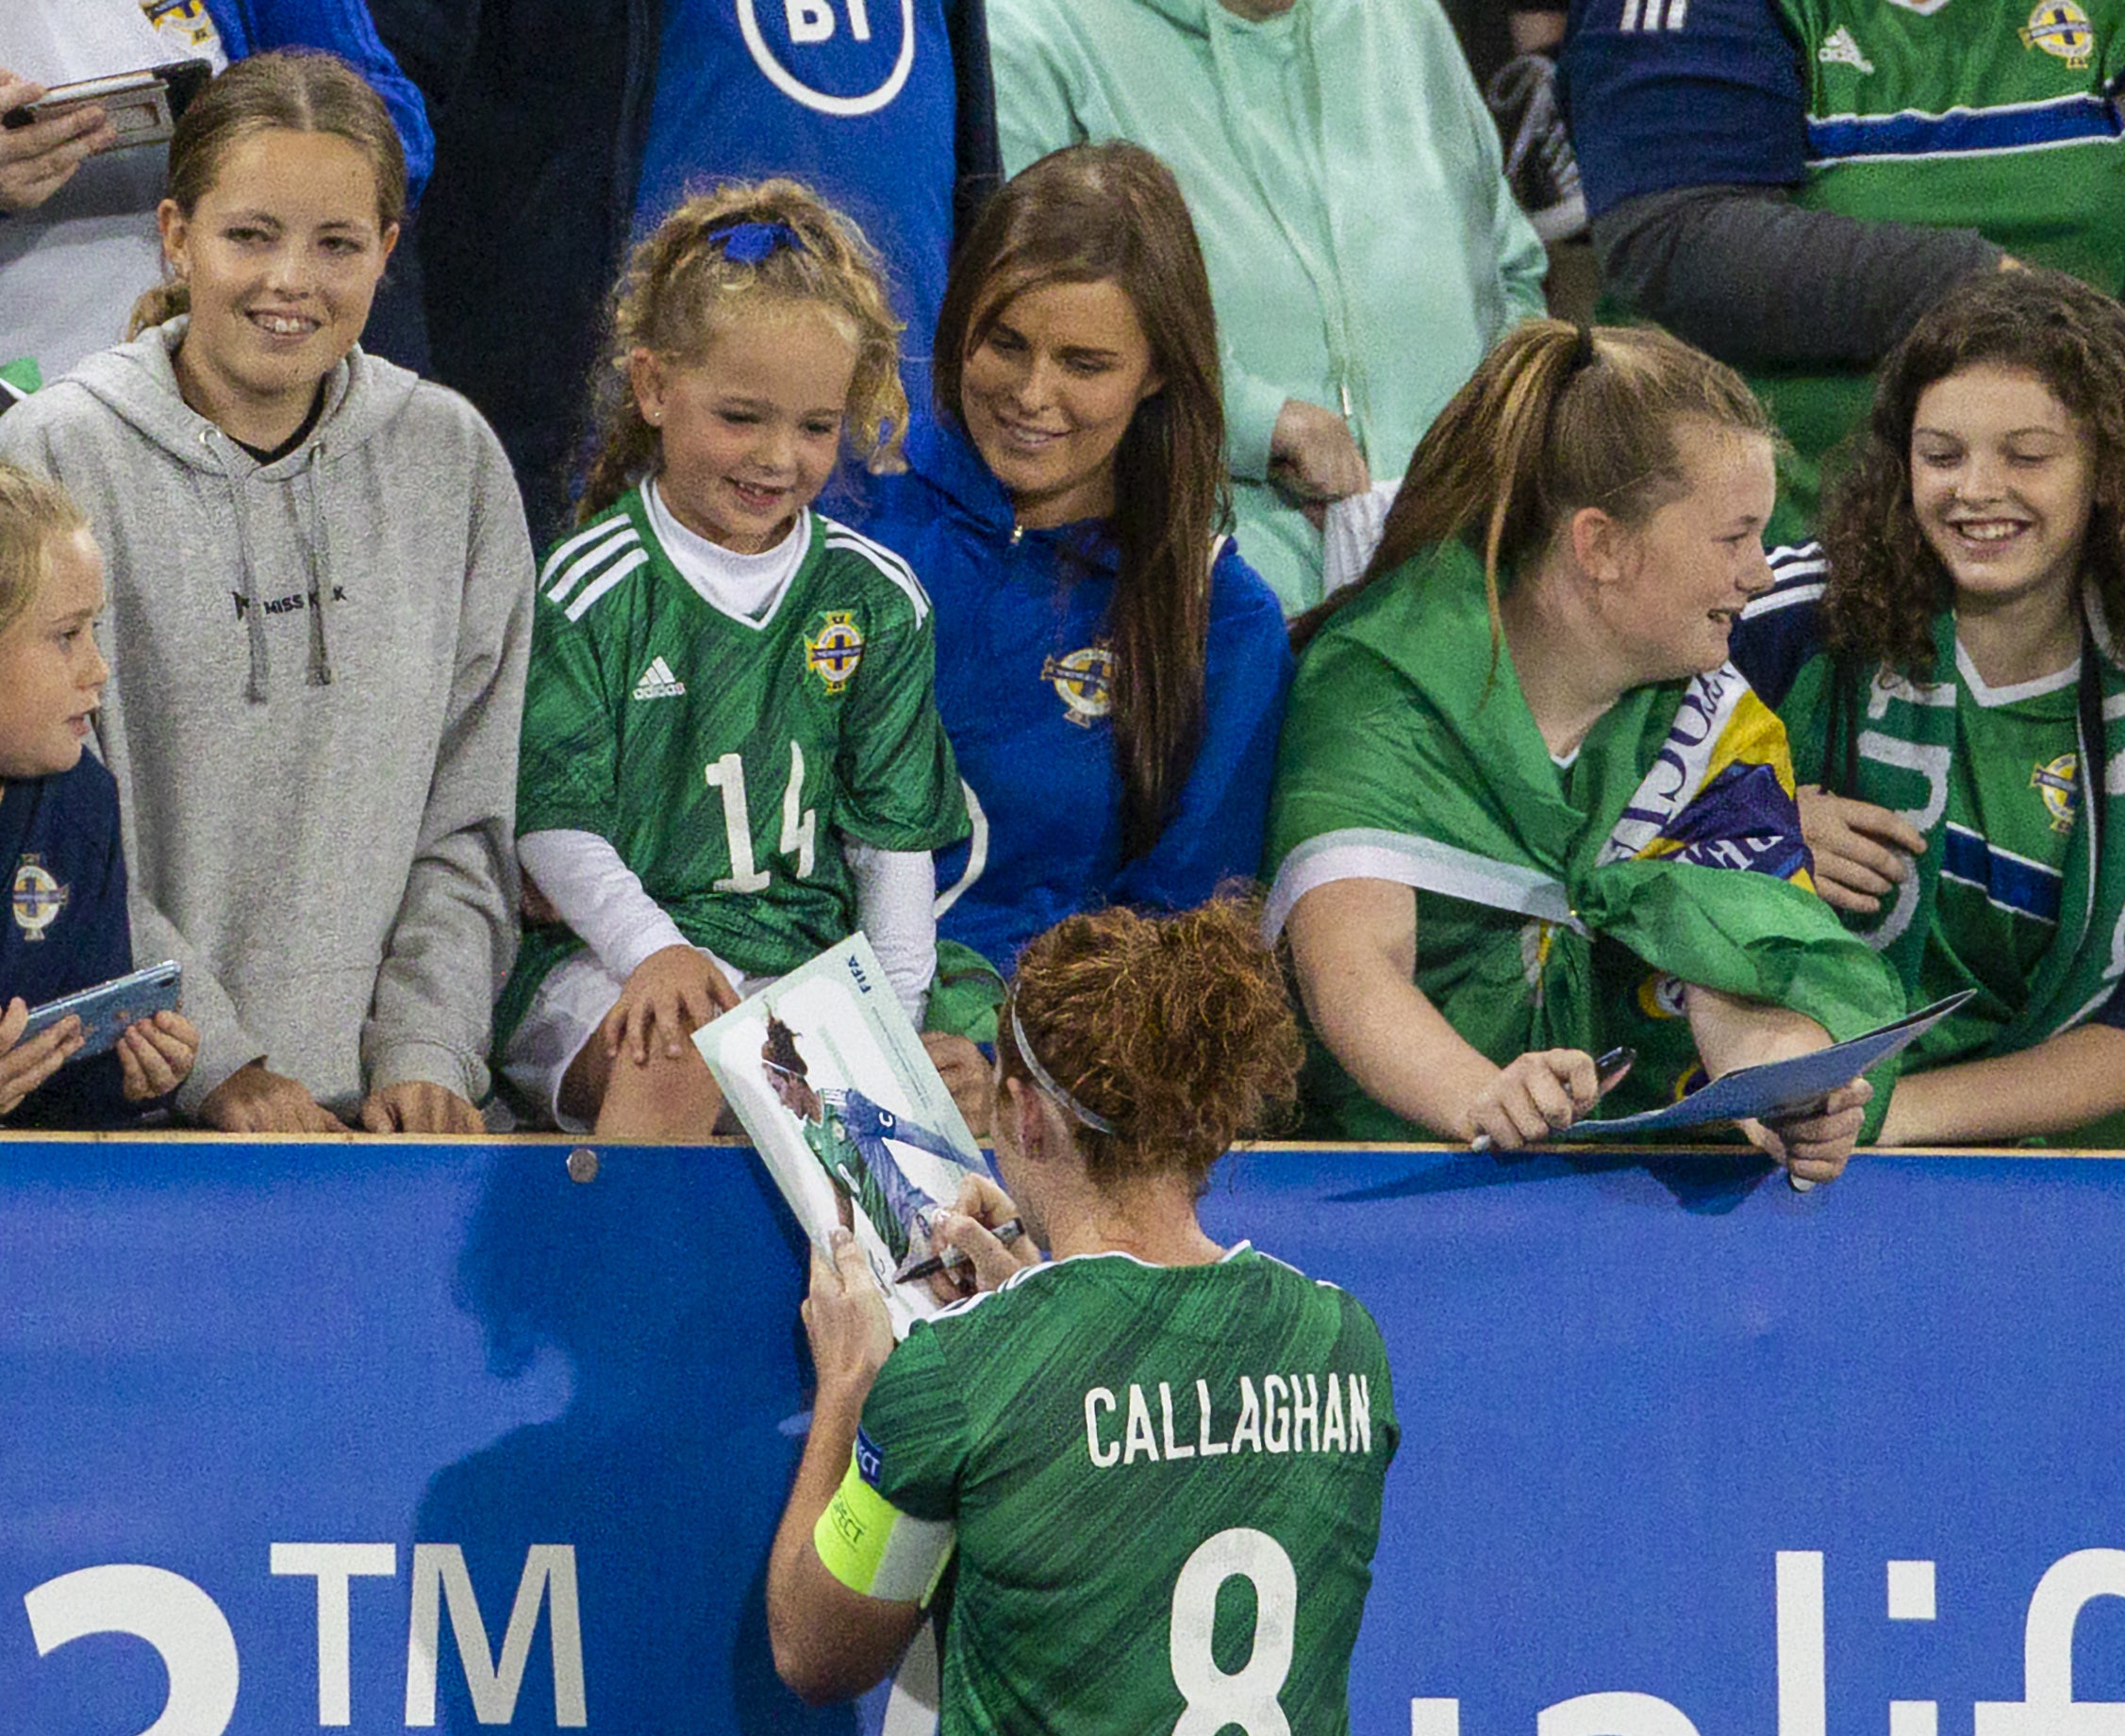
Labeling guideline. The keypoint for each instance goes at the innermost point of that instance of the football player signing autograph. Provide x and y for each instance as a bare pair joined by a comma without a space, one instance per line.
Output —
1143,1369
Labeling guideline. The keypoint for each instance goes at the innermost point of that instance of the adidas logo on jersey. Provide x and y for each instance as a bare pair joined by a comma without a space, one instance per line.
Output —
658,683
1840,49
1654,15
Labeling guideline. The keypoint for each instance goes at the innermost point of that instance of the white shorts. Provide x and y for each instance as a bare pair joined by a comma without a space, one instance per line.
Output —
565,1013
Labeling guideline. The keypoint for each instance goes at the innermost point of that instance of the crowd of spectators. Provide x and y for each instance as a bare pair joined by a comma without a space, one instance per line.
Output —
918,548
1252,252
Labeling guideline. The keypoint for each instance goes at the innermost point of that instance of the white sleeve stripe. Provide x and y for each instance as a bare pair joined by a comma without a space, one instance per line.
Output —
1797,554
604,582
584,565
895,569
1771,602
915,1551
603,527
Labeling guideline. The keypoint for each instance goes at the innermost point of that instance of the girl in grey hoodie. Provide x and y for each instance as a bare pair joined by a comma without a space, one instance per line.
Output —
320,588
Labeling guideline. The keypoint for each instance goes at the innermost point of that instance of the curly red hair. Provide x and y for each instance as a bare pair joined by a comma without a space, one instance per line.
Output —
1176,1029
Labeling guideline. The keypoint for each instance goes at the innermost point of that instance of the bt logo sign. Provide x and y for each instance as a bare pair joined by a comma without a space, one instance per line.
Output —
815,22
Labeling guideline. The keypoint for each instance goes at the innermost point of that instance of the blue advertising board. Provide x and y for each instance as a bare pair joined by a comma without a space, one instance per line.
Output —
382,1436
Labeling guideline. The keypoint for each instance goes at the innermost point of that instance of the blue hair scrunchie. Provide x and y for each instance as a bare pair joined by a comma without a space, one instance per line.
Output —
749,243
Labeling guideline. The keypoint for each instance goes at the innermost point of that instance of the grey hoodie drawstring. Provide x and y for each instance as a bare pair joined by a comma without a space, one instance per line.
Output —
254,605
321,571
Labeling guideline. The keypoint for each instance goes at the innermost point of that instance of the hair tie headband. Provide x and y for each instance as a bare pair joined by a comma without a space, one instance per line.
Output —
749,243
1584,354
1098,1123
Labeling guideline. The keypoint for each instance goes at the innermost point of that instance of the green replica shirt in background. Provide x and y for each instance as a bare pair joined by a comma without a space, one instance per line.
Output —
1166,1483
1993,115
726,759
2012,796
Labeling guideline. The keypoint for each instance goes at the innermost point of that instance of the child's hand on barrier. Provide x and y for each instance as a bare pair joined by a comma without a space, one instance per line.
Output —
155,1055
23,1066
677,990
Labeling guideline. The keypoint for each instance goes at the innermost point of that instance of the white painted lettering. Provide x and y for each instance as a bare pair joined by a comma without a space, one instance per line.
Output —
332,1564
1803,1700
1612,1714
549,1576
1250,1425
1333,1439
1361,1413
184,1624
1099,1399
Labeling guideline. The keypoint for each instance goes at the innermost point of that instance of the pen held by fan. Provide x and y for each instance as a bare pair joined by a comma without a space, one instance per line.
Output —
1609,1072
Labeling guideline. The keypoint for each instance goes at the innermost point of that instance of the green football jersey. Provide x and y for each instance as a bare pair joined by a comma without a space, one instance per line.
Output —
2012,804
1993,115
726,759
1166,1483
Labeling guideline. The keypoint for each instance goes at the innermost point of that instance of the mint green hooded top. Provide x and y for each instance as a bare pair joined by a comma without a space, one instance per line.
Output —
1345,181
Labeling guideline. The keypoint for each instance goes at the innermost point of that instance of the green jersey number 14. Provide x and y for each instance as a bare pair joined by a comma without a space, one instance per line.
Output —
800,824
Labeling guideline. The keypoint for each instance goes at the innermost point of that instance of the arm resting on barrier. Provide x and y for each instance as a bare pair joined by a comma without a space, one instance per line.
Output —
1355,944
1732,1033
2061,1084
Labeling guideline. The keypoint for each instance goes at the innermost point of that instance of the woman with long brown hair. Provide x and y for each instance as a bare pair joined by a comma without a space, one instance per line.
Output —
1525,810
1110,671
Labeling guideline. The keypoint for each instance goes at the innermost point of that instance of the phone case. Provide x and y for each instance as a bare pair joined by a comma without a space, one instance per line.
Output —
105,1010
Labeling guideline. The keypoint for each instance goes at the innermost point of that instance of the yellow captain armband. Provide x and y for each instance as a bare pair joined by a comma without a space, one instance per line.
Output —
875,1549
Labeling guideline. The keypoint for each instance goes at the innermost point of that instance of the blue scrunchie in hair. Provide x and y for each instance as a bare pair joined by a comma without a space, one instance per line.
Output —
749,243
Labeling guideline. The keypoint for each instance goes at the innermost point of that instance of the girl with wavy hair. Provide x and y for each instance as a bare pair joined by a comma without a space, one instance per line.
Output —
1947,661
731,755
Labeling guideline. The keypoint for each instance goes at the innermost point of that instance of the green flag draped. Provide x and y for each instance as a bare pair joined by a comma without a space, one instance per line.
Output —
1557,906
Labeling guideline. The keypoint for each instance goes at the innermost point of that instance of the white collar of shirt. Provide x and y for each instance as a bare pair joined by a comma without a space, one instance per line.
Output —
747,587
2014,691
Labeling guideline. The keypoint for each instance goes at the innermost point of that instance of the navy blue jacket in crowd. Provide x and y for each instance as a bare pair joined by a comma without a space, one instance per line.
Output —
345,27
542,111
66,927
